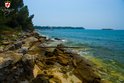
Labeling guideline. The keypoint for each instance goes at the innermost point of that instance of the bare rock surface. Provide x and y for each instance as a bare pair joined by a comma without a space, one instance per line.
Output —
27,60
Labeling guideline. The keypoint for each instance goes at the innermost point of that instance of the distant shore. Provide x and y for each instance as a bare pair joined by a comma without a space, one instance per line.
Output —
107,29
57,27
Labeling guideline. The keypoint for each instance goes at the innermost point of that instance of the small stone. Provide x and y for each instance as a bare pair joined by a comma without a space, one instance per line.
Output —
12,47
6,43
23,50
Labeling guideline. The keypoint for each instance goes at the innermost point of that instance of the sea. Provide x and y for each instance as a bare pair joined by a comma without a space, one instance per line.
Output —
105,48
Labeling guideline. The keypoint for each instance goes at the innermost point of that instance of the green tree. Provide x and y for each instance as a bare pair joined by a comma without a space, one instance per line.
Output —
18,18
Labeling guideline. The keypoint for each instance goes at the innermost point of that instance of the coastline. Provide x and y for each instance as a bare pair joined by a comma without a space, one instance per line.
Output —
106,57
27,60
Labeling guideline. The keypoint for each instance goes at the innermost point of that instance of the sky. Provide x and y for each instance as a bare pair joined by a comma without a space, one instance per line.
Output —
90,14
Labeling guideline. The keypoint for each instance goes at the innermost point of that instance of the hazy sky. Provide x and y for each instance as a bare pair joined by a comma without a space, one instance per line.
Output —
86,13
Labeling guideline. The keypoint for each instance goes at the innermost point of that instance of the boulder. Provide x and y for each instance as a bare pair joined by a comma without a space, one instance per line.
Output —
35,34
29,57
58,52
17,73
18,44
50,62
41,79
23,50
29,41
5,62
85,70
42,39
48,54
36,71
62,60
11,47
15,46
9,58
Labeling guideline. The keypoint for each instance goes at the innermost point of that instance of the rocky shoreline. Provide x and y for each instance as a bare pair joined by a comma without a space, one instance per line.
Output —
26,59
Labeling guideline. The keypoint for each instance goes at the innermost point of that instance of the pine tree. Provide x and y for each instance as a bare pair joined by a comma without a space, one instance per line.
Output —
17,18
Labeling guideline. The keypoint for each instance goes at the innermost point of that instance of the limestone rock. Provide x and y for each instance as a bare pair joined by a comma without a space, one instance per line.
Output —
15,46
9,58
30,40
29,57
86,71
40,79
36,71
48,54
5,42
5,62
1,48
62,60
23,50
28,60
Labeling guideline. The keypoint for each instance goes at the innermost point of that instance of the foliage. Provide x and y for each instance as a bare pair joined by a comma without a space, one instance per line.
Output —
17,18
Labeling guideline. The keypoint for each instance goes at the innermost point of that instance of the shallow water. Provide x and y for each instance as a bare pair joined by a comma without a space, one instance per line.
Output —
104,47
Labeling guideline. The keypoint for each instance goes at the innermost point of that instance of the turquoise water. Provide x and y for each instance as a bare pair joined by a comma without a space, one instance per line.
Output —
107,45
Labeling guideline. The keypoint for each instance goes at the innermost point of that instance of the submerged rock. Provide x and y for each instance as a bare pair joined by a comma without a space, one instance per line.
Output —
57,39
